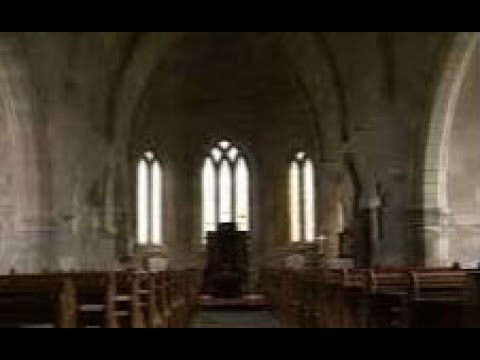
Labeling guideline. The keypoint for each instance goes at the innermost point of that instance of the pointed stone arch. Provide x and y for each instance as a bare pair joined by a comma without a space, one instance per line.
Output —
434,218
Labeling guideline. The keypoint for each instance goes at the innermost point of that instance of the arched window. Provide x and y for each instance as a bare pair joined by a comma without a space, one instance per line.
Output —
302,199
225,188
149,200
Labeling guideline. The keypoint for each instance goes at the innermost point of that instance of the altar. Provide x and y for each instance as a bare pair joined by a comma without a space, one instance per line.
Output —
226,271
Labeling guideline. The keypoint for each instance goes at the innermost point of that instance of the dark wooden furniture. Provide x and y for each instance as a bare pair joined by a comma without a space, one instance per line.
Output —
36,300
130,299
471,313
227,262
375,298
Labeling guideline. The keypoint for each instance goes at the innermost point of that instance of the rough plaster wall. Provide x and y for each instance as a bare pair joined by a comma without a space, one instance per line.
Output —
75,108
71,100
79,183
24,232
464,170
7,196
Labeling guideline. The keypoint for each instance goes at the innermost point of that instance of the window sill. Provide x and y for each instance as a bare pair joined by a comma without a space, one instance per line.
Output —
302,247
149,250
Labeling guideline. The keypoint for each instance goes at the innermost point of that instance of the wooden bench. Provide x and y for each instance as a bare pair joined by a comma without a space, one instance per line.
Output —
388,298
175,296
99,299
471,313
406,297
437,298
99,302
439,286
276,284
36,300
332,297
311,314
354,298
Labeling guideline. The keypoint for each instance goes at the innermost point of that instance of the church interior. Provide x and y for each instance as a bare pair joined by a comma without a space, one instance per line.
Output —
239,179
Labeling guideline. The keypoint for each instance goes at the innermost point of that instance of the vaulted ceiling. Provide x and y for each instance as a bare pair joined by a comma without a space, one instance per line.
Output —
114,74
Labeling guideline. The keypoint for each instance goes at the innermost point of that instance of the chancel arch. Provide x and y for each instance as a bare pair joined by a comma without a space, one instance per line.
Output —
435,225
463,170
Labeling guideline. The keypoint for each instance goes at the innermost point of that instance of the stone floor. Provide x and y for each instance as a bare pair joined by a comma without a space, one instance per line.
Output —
234,319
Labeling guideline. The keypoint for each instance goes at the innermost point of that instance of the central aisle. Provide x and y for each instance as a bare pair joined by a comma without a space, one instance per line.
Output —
234,319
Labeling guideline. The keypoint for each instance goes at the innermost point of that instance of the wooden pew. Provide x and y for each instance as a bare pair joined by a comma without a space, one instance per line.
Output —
471,313
389,291
175,296
96,298
367,297
290,298
134,294
114,299
163,299
333,300
275,285
294,295
99,299
174,299
416,297
274,291
193,284
355,298
311,310
33,300
437,298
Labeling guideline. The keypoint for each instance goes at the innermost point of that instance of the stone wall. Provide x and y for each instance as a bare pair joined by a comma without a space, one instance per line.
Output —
67,176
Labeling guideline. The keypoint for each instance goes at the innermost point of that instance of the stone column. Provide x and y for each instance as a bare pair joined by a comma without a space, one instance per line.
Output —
371,206
7,236
435,229
327,175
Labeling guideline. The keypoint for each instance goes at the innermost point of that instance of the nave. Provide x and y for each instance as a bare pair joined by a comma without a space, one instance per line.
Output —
346,165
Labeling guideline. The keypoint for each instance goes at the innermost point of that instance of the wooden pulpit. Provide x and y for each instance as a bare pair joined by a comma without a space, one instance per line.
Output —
226,270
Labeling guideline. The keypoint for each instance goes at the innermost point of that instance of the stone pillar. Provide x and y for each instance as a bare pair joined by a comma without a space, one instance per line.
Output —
371,206
66,244
435,228
7,236
327,175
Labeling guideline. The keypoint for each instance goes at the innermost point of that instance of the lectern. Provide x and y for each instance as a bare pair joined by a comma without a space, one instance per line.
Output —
226,271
